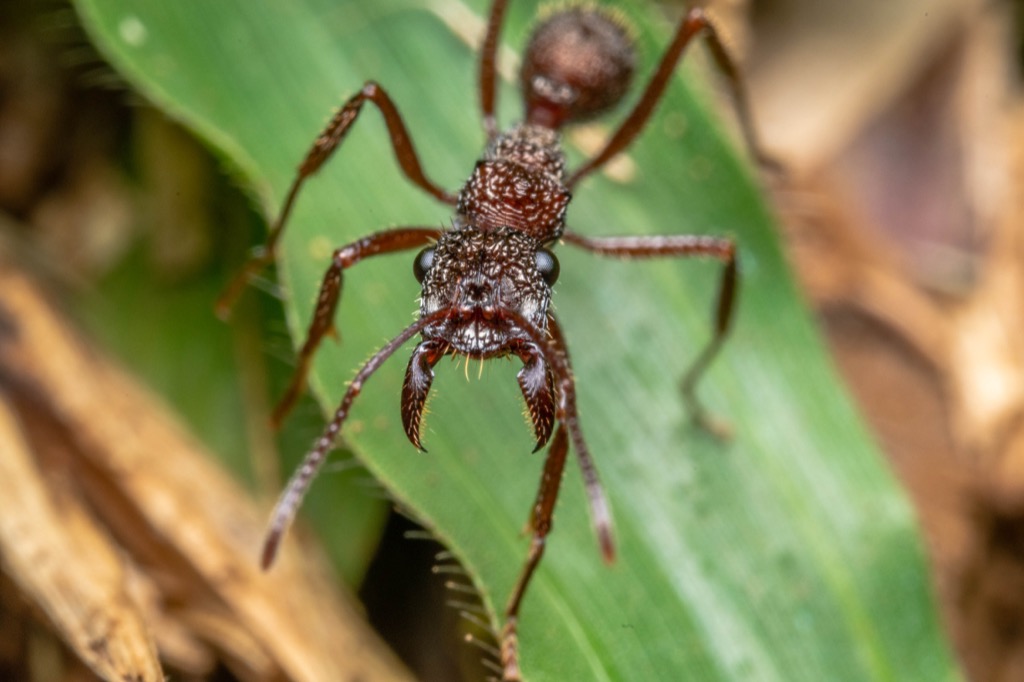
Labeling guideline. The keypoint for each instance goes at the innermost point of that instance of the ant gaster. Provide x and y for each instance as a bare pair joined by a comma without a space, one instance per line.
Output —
486,281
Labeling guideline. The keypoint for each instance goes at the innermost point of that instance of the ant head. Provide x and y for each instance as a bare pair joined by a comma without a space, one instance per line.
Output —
578,64
479,276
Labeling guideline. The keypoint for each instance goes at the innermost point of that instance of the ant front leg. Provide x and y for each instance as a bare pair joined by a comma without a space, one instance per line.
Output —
683,246
694,23
550,349
291,498
328,141
389,241
539,526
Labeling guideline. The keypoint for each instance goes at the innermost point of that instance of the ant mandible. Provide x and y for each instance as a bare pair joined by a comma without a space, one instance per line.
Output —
486,281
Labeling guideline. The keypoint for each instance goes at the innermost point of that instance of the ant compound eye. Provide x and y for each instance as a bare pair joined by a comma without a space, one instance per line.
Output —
424,259
547,264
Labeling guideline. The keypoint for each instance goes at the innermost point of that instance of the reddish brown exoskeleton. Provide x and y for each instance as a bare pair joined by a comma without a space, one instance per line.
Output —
486,281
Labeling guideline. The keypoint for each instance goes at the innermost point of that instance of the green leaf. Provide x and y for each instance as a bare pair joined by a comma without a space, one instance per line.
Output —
787,553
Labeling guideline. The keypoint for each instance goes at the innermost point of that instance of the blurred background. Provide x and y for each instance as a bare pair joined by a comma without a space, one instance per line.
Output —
899,123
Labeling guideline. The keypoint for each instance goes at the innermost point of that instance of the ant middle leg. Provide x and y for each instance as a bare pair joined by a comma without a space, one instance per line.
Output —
682,246
694,23
322,324
324,146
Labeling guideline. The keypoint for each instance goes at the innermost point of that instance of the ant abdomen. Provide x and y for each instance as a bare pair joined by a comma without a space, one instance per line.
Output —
578,64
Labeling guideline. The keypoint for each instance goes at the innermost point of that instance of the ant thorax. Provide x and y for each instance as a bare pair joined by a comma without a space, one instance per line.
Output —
480,276
519,183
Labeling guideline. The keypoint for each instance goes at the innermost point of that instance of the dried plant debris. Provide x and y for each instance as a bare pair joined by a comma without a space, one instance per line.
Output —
134,545
44,537
904,223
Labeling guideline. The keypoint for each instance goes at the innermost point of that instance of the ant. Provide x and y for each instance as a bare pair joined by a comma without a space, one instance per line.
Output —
486,282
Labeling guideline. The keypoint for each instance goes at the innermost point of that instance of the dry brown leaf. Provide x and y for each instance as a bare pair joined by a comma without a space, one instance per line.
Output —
188,528
987,367
821,74
904,221
62,560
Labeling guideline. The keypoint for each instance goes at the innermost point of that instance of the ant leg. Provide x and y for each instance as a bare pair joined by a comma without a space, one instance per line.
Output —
724,308
540,525
388,241
488,68
720,248
554,353
288,504
692,24
545,503
557,356
325,144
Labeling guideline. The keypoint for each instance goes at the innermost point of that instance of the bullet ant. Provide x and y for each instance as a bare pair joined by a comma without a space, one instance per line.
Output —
486,281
